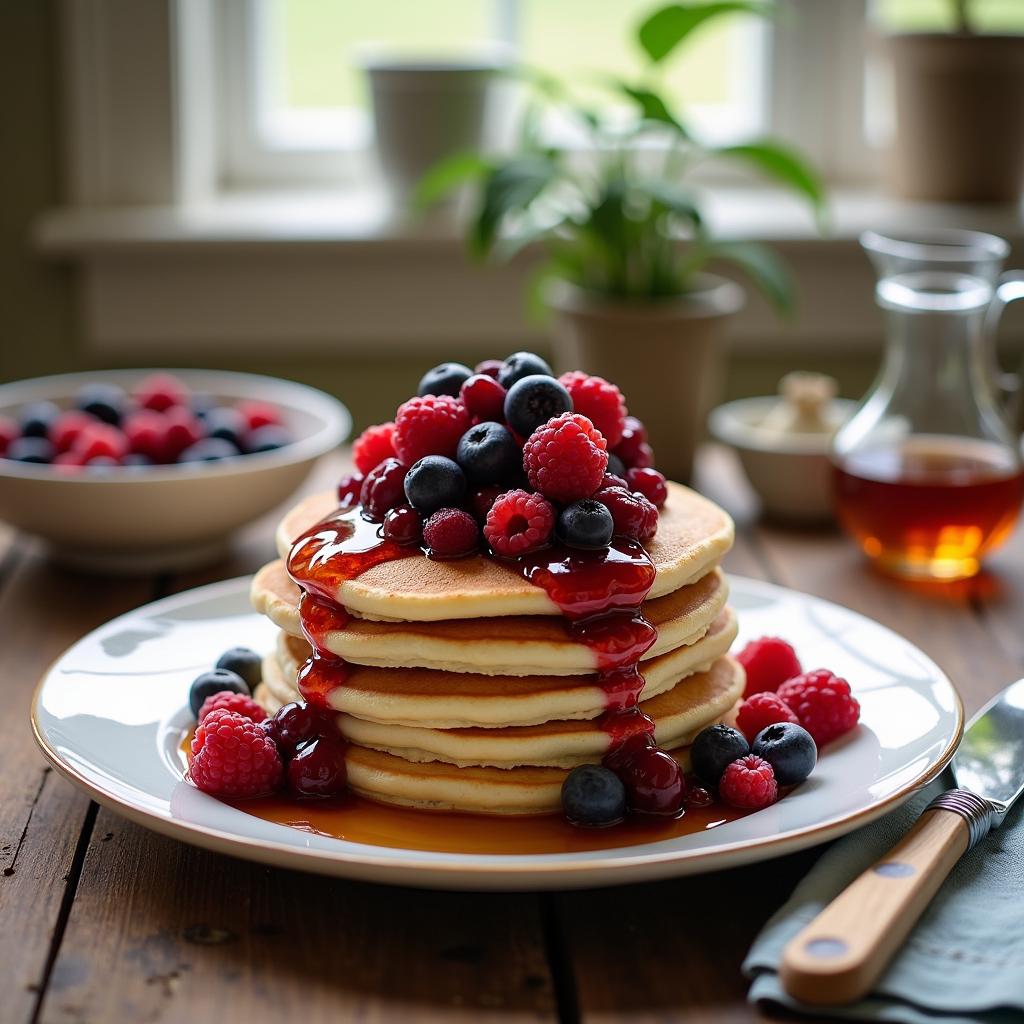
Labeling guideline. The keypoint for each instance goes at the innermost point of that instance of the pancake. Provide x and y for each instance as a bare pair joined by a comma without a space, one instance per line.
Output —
436,786
517,645
679,714
448,700
693,535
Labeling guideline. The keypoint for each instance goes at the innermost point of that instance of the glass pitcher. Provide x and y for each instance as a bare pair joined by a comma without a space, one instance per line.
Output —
928,475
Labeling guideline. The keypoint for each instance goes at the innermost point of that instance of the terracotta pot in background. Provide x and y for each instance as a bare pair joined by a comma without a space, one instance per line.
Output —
665,356
425,111
959,116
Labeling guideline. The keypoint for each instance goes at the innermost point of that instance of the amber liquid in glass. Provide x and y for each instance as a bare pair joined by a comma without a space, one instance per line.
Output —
931,507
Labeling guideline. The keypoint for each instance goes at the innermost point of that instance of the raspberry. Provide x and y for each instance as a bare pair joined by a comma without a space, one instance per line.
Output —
373,446
429,425
566,458
183,429
635,517
146,432
484,398
823,704
9,432
228,700
66,427
768,662
383,489
634,437
602,403
259,414
160,391
98,440
759,711
451,533
749,782
519,521
650,483
349,487
233,756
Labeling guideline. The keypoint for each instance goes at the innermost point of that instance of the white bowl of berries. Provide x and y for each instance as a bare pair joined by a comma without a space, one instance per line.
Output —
132,471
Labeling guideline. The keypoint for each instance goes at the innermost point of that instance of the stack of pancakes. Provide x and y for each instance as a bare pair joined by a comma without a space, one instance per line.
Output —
465,688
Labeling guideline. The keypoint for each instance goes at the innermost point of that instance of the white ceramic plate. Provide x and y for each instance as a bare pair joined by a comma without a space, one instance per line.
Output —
112,712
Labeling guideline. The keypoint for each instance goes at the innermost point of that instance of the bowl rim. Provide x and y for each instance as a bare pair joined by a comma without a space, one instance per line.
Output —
727,426
335,426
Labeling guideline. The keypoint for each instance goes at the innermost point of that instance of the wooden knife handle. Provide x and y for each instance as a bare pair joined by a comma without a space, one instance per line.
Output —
839,956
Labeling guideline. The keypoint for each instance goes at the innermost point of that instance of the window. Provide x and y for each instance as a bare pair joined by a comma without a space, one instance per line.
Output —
297,105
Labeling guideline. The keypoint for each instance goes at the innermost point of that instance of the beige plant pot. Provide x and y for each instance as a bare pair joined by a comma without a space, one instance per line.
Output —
665,356
959,116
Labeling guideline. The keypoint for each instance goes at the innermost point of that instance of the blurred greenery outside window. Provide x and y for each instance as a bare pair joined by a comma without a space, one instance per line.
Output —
311,95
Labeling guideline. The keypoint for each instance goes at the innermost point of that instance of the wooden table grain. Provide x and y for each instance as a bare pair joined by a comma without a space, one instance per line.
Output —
102,921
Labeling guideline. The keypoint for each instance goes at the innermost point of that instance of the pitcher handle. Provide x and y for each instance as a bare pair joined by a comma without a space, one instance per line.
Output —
1009,288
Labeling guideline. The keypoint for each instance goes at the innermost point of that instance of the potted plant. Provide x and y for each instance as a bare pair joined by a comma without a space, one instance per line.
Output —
627,249
959,101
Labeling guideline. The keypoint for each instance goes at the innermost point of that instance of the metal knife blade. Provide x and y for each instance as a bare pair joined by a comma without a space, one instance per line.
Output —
990,759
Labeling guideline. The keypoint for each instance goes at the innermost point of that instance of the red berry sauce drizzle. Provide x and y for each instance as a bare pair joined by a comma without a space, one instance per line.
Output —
337,549
600,593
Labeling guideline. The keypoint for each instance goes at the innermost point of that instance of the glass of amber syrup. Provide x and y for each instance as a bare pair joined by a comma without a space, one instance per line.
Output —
928,476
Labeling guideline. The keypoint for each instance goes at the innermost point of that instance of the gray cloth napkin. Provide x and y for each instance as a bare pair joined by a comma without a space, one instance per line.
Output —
962,964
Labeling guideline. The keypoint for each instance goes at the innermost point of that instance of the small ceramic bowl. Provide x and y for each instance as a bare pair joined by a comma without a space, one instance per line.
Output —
123,521
791,473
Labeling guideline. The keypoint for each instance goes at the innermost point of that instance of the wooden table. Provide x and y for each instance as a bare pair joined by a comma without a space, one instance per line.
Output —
102,921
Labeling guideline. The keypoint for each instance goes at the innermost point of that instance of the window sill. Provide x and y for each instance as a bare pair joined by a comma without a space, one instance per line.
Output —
331,271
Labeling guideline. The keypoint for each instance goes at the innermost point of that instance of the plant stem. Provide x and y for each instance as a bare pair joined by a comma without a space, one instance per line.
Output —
963,22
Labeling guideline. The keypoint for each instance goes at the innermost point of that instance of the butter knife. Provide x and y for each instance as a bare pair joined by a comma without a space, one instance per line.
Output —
840,955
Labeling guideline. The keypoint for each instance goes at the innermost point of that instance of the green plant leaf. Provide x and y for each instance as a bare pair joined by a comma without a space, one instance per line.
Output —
782,163
675,199
446,175
764,268
666,28
652,106
510,187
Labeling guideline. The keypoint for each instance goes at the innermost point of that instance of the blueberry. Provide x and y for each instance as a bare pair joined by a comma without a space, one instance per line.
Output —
227,424
585,524
35,419
789,749
532,401
267,439
616,466
592,795
107,402
210,449
243,662
101,463
488,454
136,461
445,379
31,449
714,749
435,482
209,683
520,365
